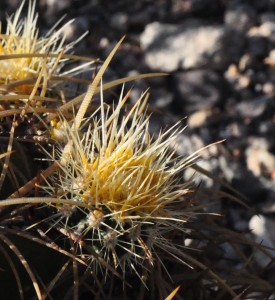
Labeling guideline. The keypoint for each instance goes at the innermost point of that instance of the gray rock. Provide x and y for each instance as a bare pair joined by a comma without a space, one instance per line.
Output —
161,98
198,118
119,21
253,108
267,17
241,17
55,6
263,231
190,45
265,29
198,90
260,161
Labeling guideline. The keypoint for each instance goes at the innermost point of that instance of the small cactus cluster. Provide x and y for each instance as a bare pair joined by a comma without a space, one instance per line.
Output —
25,55
128,184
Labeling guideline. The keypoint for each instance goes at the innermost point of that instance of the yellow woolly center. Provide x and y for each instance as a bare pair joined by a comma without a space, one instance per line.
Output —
16,69
124,182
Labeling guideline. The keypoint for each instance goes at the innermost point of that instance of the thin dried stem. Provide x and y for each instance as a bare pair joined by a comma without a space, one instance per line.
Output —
15,272
33,182
7,157
24,263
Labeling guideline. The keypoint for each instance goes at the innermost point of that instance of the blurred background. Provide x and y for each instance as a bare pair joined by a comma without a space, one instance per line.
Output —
220,57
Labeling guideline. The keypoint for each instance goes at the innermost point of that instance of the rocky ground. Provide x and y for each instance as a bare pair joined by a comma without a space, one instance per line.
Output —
220,56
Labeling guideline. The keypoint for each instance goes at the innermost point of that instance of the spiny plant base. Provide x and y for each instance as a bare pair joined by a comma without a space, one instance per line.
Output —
93,205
